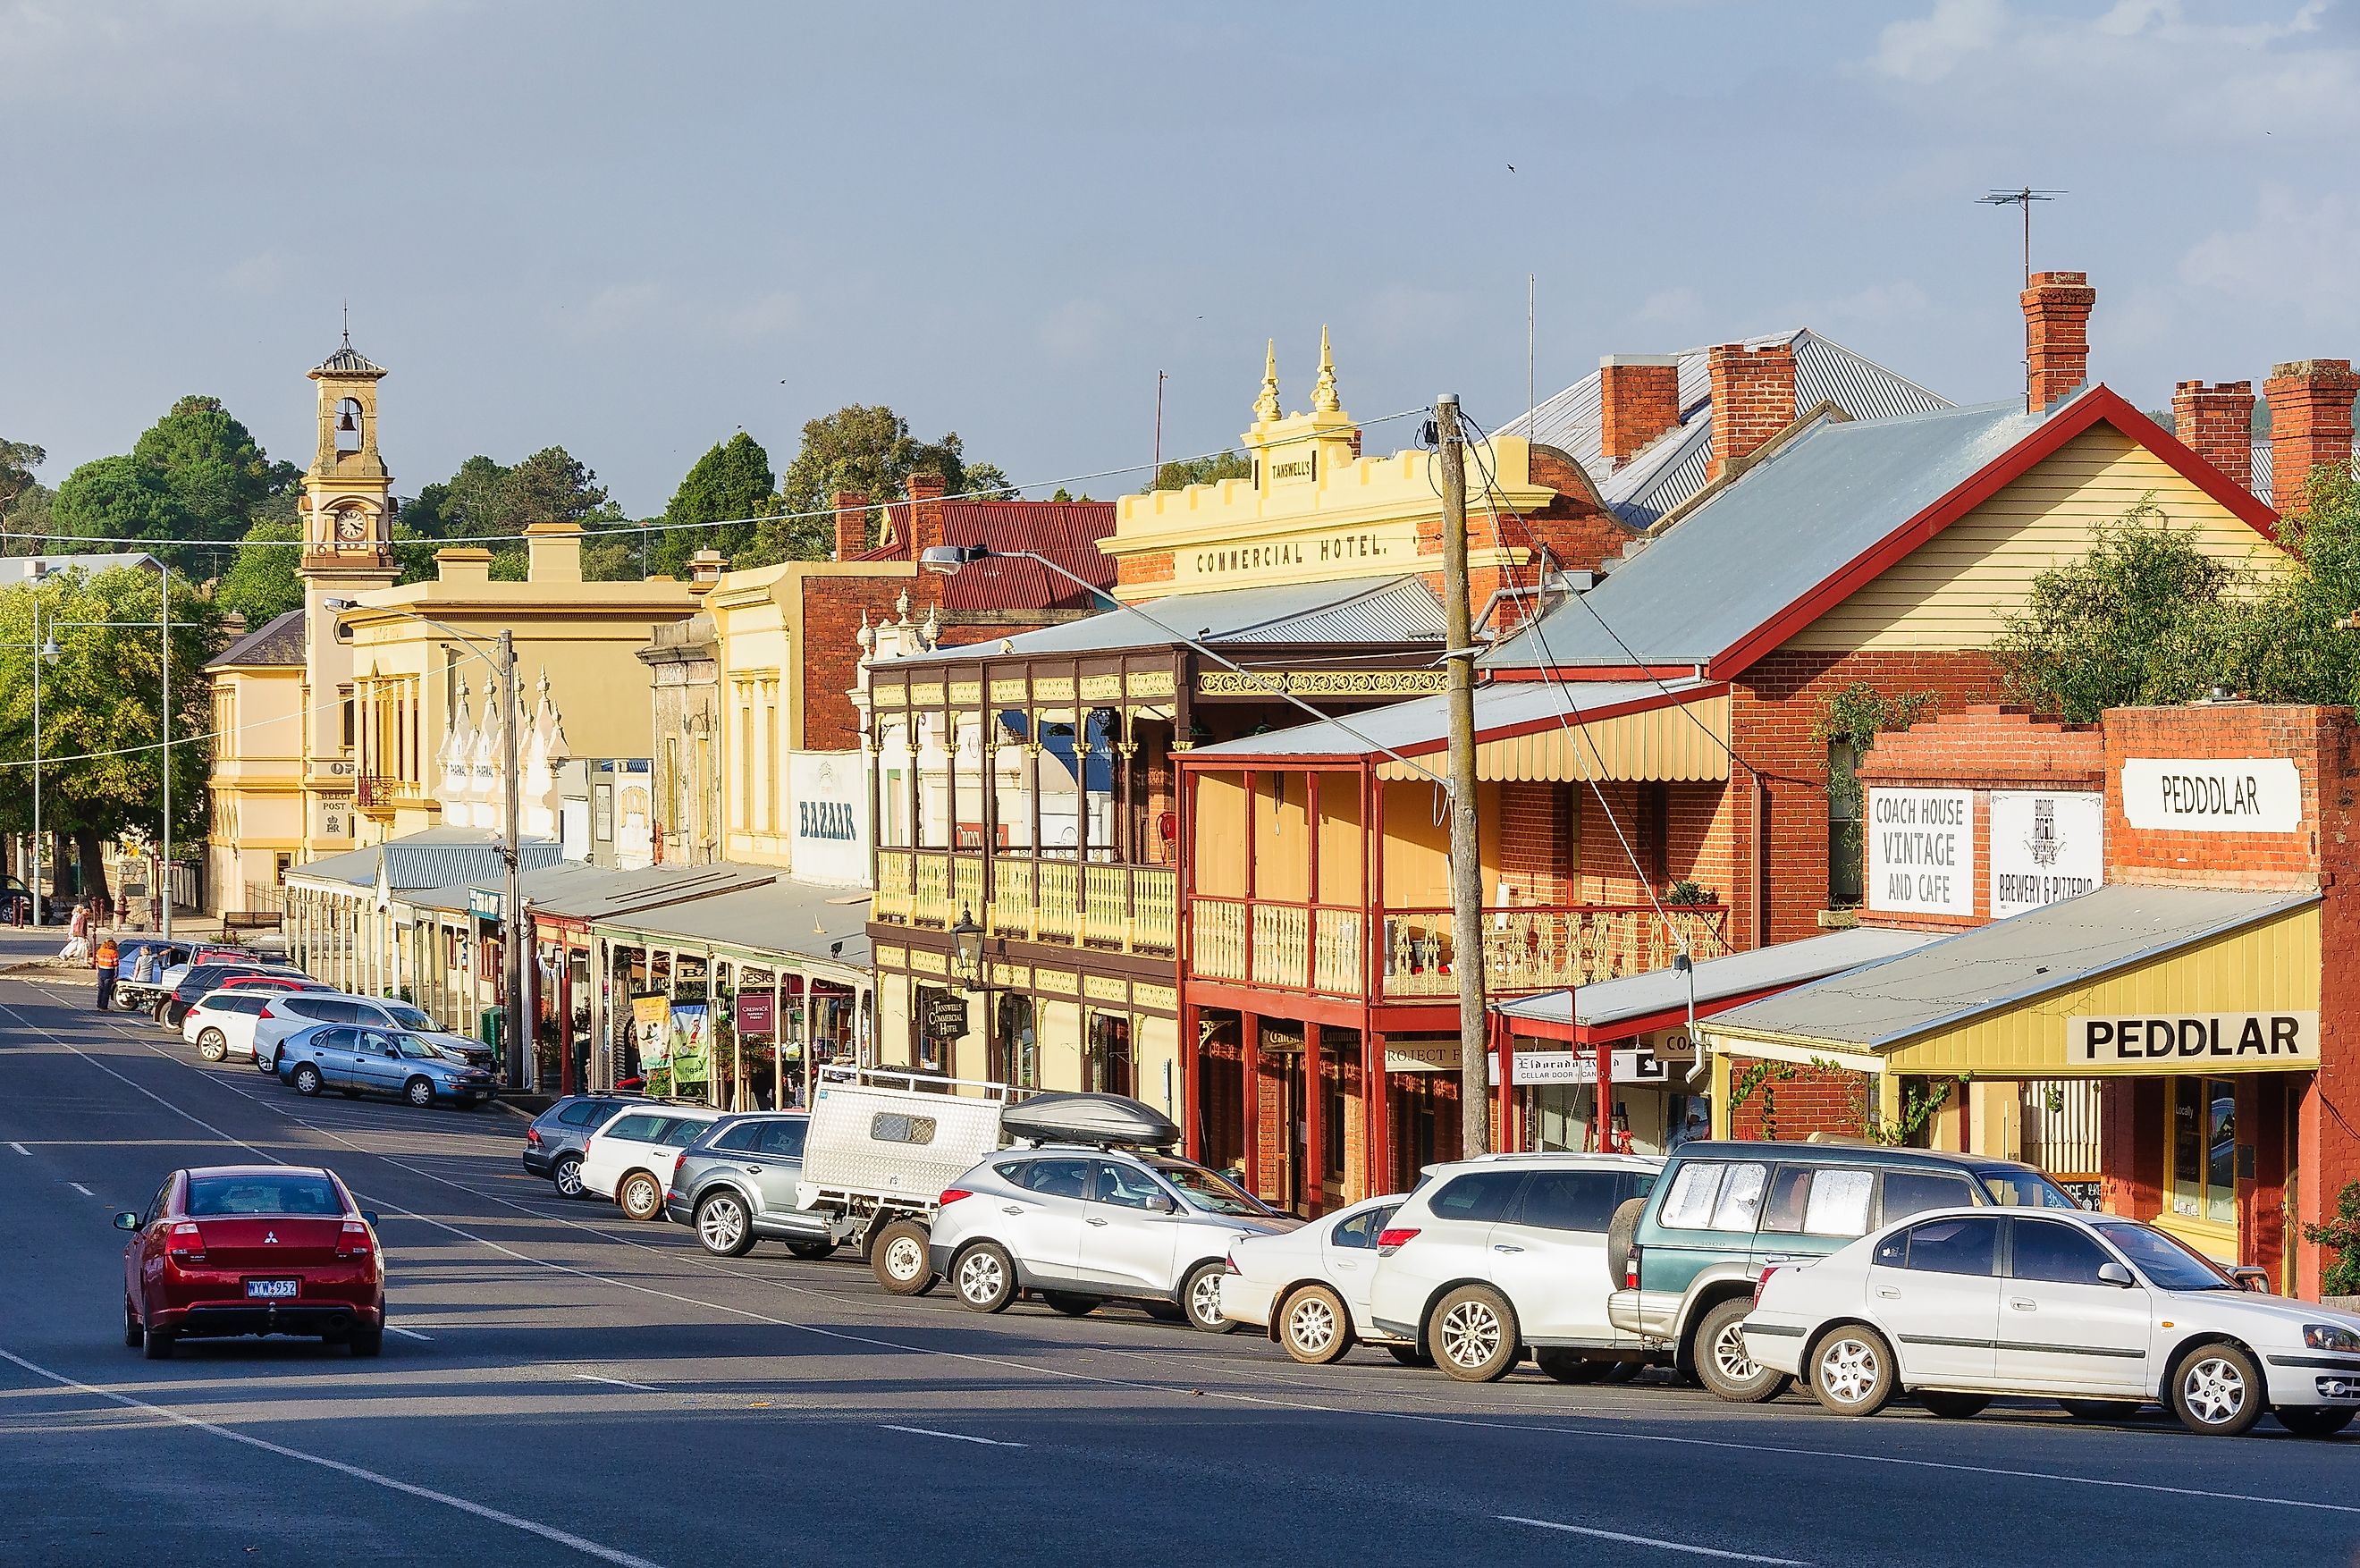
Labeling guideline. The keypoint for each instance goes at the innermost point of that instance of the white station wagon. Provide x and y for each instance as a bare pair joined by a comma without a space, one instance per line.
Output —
2100,1314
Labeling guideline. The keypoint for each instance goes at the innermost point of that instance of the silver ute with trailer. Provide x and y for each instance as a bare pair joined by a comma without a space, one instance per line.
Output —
883,1146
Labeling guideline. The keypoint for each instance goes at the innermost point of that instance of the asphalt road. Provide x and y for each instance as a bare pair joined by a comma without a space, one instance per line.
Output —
564,1387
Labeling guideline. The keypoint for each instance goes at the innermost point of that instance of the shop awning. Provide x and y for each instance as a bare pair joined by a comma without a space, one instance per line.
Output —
433,857
784,923
575,890
2016,998
1564,732
1640,1003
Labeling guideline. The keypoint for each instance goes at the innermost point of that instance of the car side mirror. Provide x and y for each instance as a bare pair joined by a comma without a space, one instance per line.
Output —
2249,1277
2116,1275
126,1220
1163,1203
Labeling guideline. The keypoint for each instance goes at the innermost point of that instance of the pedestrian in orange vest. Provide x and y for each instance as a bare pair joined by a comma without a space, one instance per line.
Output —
108,957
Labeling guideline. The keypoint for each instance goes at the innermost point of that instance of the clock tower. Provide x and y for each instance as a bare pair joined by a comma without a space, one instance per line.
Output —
346,511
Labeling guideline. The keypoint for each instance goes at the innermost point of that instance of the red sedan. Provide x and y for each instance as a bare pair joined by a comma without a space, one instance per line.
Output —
252,1249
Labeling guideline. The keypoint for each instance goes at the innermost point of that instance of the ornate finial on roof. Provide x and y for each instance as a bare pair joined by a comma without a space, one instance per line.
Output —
930,633
1266,406
901,606
1323,394
865,636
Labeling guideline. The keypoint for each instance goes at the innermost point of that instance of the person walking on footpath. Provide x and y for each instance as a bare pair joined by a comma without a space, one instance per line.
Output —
77,947
105,959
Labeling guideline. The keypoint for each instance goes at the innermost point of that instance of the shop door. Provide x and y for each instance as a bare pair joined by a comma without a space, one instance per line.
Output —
1108,1069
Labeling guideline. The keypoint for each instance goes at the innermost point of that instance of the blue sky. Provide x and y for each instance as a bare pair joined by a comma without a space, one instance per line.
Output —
633,229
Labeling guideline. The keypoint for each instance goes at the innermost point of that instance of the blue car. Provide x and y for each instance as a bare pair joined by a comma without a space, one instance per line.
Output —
354,1061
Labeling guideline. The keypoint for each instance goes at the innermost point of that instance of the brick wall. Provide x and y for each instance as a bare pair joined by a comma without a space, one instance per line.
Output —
1773,712
1535,857
2316,738
1153,567
1793,1100
833,608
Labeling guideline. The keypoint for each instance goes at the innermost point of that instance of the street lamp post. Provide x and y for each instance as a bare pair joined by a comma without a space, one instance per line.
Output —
512,925
44,652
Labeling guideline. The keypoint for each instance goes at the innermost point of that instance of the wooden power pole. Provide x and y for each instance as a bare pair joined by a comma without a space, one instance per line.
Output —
1465,853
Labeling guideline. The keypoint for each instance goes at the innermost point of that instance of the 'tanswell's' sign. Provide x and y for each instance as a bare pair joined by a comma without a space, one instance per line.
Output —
2207,1041
2234,794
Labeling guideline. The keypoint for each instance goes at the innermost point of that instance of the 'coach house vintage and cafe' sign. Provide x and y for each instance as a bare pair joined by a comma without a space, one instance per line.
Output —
2046,846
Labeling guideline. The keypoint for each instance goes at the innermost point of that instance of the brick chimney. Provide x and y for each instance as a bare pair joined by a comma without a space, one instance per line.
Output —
2216,422
1639,400
2311,424
851,524
1753,398
926,512
2055,336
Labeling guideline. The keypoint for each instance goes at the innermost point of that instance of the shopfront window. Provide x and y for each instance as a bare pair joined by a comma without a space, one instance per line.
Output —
2204,1150
1015,1043
1845,840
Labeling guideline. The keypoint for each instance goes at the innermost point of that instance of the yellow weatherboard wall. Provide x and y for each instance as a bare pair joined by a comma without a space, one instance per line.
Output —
1957,589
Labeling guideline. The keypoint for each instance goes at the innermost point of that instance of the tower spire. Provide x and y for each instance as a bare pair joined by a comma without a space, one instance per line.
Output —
1266,406
1323,395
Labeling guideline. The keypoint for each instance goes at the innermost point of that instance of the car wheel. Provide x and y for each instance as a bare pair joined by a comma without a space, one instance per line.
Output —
2100,1410
812,1251
567,1177
132,1333
722,1225
1072,1306
899,1259
984,1277
160,1345
1314,1327
1472,1333
2314,1421
641,1195
2217,1391
211,1044
1723,1363
367,1342
306,1080
1409,1355
1568,1366
1200,1298
419,1092
1851,1371
1952,1406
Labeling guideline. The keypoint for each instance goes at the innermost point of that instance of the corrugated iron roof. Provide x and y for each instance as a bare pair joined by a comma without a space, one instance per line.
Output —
435,857
1779,530
575,890
1383,613
1943,984
1660,477
347,361
278,641
1662,991
1066,531
784,917
1424,722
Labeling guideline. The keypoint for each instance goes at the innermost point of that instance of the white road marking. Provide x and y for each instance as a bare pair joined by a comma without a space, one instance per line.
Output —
20,1148
617,1382
1009,1363
567,1539
81,1189
407,1334
1651,1540
954,1436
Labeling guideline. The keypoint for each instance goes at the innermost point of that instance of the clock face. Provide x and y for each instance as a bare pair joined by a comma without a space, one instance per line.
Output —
352,527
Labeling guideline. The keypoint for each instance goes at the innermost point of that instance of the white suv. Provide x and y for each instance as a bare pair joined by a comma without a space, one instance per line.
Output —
294,1012
1085,1225
631,1157
1490,1257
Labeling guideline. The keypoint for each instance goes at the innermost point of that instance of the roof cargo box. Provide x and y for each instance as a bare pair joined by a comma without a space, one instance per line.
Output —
1067,1117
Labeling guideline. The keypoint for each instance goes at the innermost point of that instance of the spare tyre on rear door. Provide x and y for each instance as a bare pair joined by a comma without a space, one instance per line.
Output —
1621,1231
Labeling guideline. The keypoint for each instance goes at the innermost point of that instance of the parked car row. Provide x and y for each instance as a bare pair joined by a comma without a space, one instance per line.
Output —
1861,1272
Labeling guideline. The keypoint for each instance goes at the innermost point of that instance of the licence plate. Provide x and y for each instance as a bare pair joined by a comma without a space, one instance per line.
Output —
272,1290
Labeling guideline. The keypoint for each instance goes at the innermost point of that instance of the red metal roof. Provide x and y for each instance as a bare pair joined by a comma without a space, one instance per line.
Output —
1066,531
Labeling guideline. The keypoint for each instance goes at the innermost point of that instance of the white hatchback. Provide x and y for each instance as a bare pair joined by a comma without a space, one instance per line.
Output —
1490,1257
221,1022
2100,1314
631,1157
1308,1287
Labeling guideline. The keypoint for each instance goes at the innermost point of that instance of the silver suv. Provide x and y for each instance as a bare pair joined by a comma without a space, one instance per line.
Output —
735,1186
1087,1226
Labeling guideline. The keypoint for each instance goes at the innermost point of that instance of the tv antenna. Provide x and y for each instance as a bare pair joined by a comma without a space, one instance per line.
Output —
2024,199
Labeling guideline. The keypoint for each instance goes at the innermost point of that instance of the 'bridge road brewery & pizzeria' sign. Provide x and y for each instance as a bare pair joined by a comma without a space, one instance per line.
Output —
1921,852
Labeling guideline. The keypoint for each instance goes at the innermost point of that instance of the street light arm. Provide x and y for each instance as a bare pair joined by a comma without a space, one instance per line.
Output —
947,559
